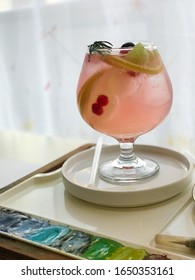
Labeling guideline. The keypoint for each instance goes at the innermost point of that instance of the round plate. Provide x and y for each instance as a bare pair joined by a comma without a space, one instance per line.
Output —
193,193
175,175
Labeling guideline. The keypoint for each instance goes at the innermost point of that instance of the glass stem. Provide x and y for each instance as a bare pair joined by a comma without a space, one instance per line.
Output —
127,152
128,167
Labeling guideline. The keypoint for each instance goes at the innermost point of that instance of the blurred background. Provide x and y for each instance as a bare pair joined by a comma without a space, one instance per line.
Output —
42,44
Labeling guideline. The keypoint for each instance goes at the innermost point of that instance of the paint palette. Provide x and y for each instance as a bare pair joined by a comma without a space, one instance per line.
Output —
71,241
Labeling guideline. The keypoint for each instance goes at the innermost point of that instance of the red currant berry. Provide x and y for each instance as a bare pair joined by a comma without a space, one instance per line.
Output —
132,73
102,100
97,109
123,51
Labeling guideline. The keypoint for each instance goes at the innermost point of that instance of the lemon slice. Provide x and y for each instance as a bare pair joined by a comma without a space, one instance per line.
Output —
139,60
85,90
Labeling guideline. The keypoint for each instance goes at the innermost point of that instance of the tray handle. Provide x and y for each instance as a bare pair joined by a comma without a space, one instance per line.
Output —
54,165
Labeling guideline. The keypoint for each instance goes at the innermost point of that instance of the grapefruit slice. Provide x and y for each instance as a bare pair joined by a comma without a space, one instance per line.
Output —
139,60
99,95
85,90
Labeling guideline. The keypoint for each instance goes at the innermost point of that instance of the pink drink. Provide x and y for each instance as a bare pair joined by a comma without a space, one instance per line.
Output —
120,102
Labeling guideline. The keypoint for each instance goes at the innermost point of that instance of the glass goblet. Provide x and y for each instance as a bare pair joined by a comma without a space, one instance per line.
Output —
124,92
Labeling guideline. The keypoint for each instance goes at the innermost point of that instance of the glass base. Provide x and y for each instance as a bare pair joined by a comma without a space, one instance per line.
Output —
117,172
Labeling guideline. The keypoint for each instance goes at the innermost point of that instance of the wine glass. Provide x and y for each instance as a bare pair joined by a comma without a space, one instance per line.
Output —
124,92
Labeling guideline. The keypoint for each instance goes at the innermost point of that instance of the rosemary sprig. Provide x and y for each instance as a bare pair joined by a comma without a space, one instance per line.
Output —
100,47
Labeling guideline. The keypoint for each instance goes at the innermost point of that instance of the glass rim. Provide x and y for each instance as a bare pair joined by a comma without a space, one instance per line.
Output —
149,45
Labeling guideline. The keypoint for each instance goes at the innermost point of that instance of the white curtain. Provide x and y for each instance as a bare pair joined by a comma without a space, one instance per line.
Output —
42,44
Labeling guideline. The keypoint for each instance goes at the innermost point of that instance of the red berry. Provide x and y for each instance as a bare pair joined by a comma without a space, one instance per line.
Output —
102,100
97,109
123,51
132,73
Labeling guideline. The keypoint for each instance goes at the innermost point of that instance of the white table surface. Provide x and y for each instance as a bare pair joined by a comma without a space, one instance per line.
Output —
22,153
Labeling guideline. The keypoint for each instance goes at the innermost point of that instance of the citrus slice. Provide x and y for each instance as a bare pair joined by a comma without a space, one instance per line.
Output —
139,55
139,60
98,97
85,90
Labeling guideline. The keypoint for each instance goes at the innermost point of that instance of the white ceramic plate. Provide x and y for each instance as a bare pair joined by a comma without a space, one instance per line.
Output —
193,193
174,176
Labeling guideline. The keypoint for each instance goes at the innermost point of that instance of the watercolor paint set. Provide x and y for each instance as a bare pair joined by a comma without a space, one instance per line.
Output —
68,240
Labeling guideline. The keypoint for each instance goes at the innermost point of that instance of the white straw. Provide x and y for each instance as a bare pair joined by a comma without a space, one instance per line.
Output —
95,163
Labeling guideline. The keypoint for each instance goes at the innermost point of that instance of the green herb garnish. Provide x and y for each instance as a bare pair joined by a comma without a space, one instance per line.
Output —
100,47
